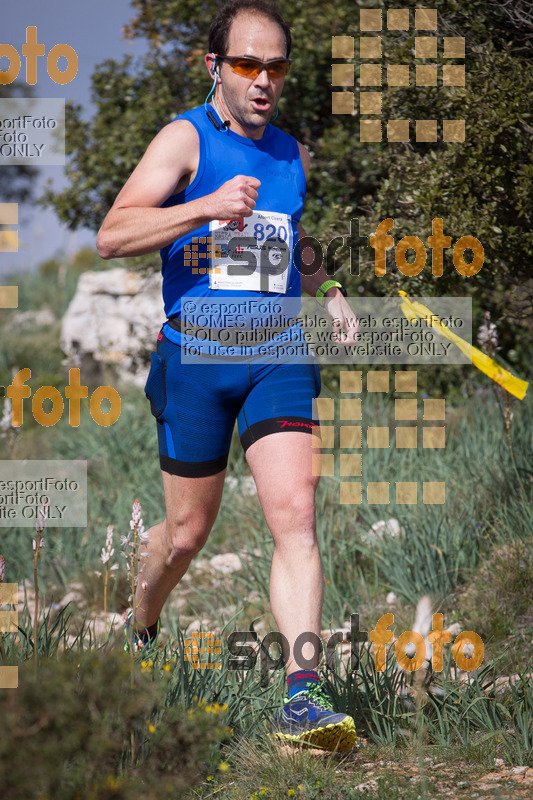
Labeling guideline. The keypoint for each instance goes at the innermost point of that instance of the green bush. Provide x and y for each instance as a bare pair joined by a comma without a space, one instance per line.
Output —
93,725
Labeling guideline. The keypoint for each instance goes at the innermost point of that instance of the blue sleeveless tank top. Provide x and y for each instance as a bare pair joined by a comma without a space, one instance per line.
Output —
275,161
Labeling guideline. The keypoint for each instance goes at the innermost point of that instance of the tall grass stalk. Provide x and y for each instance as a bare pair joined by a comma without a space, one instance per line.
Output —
37,545
2,576
130,544
107,553
488,341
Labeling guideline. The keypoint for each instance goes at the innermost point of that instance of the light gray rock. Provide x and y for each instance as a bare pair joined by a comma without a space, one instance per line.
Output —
244,486
27,319
390,527
226,563
113,320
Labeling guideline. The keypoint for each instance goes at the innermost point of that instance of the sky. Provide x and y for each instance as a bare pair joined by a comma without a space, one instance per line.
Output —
93,29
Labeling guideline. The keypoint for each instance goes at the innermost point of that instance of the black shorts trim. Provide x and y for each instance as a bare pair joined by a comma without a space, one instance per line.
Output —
277,425
193,469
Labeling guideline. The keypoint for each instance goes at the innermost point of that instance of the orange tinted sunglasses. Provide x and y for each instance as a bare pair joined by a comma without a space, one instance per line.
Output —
251,67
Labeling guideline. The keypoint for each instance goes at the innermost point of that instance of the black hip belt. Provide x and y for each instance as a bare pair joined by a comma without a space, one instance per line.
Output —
229,337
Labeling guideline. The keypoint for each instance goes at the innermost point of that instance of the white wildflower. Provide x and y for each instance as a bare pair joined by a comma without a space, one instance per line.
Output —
44,512
130,544
488,336
136,514
109,537
5,422
108,551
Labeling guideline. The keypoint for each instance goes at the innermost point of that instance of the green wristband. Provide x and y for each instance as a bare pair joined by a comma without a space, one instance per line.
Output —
321,291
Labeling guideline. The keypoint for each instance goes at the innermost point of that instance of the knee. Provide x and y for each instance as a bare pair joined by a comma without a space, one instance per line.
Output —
185,538
294,520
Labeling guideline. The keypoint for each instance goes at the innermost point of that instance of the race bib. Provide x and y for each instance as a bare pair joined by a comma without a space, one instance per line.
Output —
251,253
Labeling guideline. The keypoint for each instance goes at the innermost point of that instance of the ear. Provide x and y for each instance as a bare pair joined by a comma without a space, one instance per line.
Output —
210,64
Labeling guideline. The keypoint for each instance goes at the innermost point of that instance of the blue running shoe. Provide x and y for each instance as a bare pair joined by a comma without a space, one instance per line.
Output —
308,716
140,638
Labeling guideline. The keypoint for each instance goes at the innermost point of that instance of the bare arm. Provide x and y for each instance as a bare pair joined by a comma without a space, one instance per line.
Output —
136,224
336,304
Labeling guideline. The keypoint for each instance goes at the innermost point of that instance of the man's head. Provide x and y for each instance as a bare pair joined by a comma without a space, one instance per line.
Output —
252,29
218,36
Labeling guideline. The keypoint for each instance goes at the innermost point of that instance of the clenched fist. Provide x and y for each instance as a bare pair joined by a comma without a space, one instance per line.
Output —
235,198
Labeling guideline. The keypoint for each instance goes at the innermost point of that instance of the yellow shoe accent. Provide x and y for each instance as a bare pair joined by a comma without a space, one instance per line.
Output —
339,737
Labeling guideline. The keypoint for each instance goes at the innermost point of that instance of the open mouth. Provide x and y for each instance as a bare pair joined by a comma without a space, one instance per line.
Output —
261,103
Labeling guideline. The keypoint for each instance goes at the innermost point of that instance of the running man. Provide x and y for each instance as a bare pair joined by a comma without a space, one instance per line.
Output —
214,173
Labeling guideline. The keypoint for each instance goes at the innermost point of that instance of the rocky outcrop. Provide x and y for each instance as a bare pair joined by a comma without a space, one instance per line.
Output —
113,320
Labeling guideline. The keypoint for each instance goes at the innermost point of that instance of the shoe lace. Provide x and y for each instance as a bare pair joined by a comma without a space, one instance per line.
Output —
318,695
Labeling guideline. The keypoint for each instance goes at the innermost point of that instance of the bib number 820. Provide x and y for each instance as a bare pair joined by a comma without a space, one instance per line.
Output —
268,231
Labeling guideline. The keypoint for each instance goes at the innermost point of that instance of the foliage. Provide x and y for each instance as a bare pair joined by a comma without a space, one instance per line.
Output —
74,721
495,614
482,187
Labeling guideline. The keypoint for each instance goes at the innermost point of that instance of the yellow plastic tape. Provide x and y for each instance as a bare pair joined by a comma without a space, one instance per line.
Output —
412,309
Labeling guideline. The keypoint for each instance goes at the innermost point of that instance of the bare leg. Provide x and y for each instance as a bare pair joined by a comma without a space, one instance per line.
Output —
281,466
191,508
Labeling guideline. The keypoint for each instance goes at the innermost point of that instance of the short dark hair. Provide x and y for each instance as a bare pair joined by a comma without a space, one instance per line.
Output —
218,36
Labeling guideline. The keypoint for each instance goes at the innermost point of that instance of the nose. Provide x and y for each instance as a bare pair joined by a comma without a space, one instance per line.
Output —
262,79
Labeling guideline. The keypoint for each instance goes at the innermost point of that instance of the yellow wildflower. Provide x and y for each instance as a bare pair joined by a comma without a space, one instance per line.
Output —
291,792
264,790
166,668
223,766
151,728
210,778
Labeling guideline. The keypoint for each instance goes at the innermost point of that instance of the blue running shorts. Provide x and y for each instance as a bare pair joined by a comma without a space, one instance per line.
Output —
196,406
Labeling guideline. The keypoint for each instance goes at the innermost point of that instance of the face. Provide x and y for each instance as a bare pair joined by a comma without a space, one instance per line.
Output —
249,103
